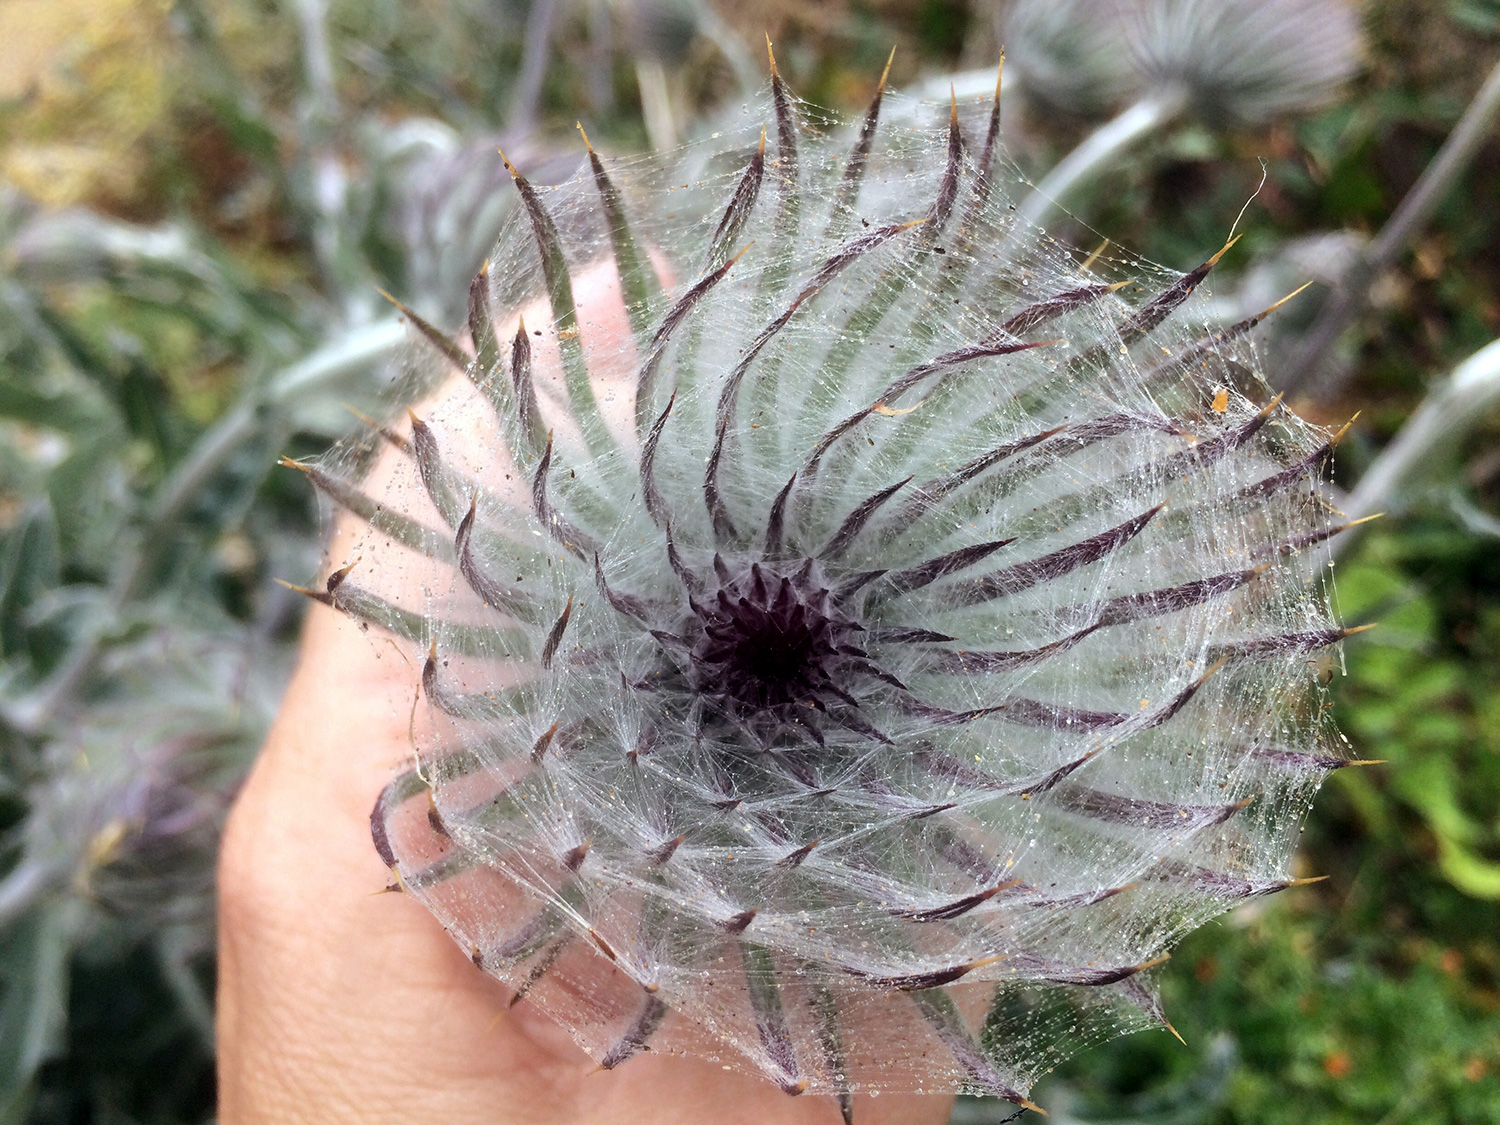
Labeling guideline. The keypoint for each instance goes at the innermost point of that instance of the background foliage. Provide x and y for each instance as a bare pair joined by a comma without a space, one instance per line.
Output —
201,197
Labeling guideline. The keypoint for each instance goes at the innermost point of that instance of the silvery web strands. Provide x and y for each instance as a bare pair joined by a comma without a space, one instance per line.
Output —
855,643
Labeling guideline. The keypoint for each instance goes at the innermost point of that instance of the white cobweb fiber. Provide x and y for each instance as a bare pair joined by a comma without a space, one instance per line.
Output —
901,775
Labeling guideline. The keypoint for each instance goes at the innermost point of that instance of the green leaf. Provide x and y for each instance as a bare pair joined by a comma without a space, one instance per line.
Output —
1467,871
34,986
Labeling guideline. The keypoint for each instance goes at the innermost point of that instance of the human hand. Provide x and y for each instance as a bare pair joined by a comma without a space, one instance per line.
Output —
340,1004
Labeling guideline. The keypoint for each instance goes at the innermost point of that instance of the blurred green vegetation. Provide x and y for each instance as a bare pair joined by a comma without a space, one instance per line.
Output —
199,200
1373,996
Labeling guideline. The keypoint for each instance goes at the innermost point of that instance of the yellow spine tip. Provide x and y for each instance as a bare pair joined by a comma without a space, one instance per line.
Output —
1224,250
585,137
1168,1025
886,73
1269,309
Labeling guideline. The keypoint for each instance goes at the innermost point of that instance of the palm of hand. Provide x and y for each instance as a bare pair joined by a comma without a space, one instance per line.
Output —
337,1003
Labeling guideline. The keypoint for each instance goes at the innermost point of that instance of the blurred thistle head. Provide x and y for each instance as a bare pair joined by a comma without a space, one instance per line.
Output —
857,639
1230,62
127,816
1243,62
1071,54
151,845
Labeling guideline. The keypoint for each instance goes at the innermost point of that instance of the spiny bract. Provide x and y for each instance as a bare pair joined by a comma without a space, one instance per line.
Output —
858,637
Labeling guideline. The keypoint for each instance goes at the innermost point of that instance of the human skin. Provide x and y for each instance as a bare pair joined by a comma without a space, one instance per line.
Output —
338,1003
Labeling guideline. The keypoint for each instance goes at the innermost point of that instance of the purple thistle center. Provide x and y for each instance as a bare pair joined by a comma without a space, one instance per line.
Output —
769,642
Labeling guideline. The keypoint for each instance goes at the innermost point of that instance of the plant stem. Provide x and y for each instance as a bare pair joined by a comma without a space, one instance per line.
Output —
535,55
319,116
656,104
1104,144
1352,293
965,84
1446,414
22,887
353,352
727,42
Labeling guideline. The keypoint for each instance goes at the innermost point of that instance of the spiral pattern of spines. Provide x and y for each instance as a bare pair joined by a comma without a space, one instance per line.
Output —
849,624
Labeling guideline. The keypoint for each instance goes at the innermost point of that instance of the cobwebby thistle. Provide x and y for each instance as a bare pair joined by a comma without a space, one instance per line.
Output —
1224,62
856,639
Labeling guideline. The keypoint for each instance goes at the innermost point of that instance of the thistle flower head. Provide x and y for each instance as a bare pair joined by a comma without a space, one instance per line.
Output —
1244,62
1071,54
856,643
1231,62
